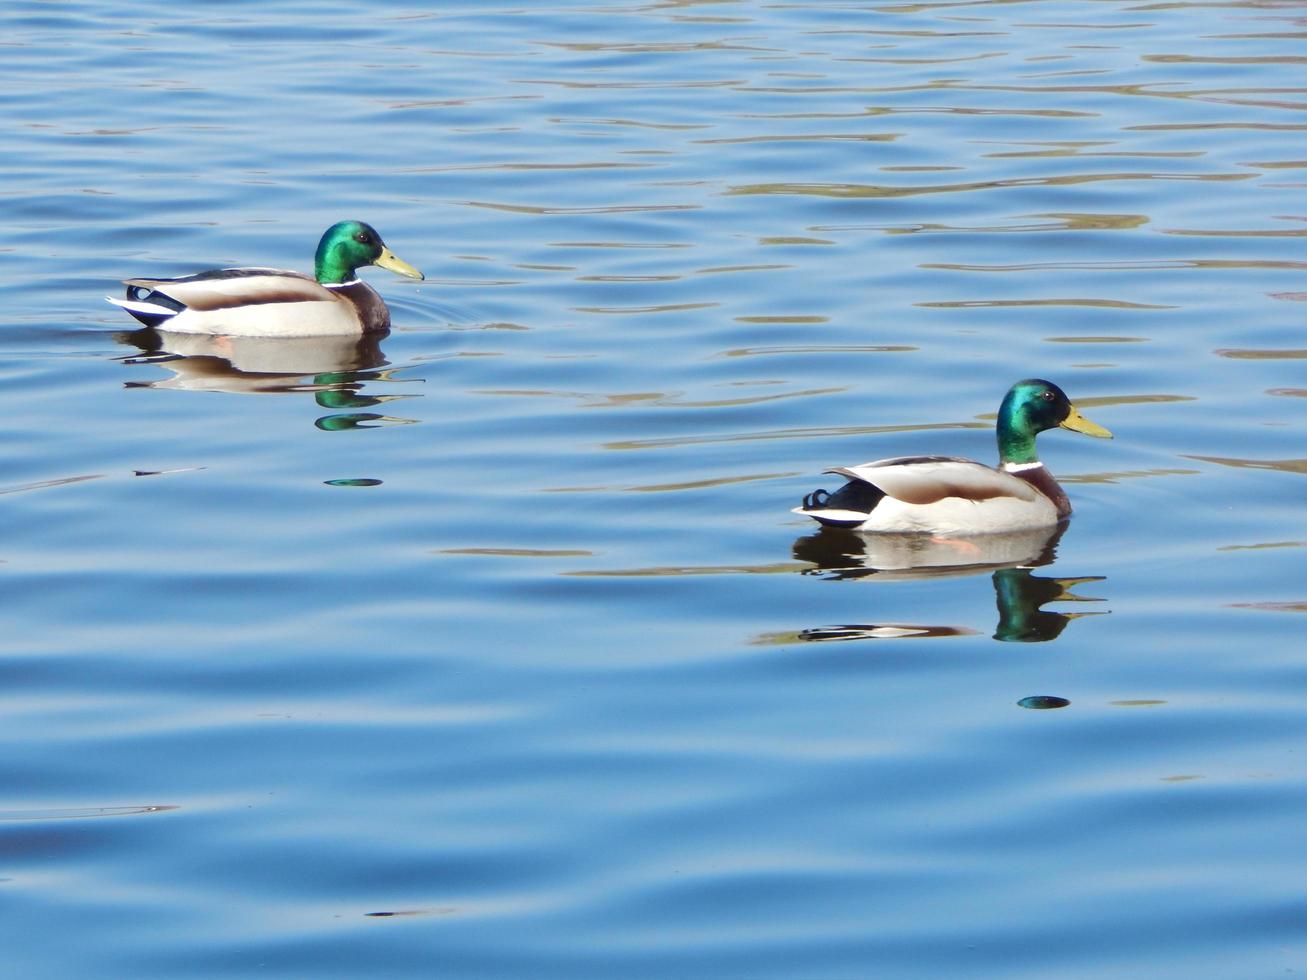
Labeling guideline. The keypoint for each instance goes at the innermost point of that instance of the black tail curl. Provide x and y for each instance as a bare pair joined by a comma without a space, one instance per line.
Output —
857,496
816,500
143,294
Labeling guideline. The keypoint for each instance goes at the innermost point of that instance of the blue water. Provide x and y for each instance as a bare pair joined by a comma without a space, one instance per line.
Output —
492,649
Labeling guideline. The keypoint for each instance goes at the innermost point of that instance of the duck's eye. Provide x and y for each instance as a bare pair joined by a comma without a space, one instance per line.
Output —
1046,395
361,238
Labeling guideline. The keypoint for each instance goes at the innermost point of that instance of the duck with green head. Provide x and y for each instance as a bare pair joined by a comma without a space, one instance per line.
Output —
259,302
954,496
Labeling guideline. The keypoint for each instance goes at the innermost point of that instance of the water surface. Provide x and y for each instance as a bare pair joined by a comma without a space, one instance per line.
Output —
491,648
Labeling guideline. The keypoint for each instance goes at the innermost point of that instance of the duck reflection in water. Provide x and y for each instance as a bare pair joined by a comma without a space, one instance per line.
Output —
334,369
1009,558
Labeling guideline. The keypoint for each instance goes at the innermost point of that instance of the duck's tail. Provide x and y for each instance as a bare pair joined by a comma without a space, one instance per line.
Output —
848,507
148,306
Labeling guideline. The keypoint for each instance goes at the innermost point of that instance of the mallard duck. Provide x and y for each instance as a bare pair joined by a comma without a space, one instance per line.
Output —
950,496
257,302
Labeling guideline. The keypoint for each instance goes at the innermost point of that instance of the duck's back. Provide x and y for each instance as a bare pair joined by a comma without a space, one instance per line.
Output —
255,302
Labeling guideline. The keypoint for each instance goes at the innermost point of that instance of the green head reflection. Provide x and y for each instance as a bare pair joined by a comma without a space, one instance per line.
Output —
1020,596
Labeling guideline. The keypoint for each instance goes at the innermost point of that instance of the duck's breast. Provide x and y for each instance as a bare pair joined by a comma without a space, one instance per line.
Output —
370,307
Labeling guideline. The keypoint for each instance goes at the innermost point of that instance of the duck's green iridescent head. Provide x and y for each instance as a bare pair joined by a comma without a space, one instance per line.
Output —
1030,407
348,245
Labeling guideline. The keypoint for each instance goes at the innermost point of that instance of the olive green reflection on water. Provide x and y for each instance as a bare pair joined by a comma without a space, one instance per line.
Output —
595,399
542,210
1263,547
819,349
807,138
674,571
713,481
796,319
1284,465
891,191
519,552
1138,703
1144,265
1101,340
1118,476
1108,304
1059,221
1252,354
656,308
806,433
1158,399
1229,233
58,482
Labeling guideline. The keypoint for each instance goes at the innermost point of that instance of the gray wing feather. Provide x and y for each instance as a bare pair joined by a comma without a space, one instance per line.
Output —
226,288
926,479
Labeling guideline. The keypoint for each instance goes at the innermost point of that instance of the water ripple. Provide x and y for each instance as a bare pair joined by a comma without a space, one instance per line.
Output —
491,647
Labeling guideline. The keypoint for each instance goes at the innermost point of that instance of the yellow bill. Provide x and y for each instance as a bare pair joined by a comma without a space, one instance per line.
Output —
1078,423
389,260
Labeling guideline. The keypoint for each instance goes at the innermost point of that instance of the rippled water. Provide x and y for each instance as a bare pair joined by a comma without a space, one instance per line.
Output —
491,648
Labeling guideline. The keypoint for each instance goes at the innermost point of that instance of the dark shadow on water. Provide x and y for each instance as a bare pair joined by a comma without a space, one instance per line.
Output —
1010,560
334,370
